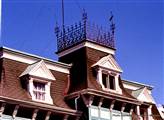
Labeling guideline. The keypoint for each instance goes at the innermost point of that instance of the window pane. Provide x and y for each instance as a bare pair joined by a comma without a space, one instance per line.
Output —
126,116
94,118
105,114
112,82
94,112
116,115
104,80
39,90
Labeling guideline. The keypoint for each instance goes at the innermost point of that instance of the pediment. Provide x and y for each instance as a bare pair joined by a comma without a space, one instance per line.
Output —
108,62
38,69
143,95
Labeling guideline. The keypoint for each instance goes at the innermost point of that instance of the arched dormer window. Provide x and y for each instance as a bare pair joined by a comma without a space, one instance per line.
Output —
39,82
108,72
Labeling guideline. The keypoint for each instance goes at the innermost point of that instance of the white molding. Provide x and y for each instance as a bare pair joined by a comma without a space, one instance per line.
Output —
136,85
108,63
30,59
87,44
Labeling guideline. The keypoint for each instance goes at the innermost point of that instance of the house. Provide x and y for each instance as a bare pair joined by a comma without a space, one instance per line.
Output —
85,84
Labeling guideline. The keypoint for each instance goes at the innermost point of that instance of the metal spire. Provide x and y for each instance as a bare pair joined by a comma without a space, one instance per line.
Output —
63,25
112,22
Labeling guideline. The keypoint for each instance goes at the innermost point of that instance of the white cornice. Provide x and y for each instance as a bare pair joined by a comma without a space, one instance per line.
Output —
135,85
87,44
30,59
40,105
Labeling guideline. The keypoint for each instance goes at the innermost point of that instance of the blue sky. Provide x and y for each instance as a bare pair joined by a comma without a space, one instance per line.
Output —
28,25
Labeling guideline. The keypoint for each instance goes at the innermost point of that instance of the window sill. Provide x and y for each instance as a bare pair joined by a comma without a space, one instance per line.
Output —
44,101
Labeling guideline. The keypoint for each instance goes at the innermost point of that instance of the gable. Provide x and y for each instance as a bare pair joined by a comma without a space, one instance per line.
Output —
38,69
143,95
108,62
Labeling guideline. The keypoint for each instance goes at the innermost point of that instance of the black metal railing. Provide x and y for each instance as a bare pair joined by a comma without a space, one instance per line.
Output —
84,31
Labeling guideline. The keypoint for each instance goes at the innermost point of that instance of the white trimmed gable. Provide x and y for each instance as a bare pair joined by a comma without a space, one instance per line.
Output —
108,62
143,95
38,69
39,82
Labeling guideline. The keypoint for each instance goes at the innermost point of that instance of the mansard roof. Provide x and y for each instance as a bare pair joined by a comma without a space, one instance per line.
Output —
25,57
14,64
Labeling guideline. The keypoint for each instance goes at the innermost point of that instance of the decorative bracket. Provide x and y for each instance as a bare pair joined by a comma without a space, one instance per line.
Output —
34,114
2,108
15,111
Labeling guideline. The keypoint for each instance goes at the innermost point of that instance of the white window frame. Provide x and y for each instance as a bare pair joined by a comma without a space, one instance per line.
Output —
31,89
101,71
39,93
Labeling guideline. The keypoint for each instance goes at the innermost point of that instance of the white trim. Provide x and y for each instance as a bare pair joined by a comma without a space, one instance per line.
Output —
143,95
134,86
137,85
87,44
39,69
30,59
108,63
48,98
116,81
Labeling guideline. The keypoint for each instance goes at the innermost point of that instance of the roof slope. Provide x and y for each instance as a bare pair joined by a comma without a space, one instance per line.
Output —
12,86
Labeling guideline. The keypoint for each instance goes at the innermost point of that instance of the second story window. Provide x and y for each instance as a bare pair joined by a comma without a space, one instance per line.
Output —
39,91
108,81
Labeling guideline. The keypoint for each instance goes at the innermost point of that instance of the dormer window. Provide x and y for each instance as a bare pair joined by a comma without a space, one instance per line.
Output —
39,82
108,81
108,72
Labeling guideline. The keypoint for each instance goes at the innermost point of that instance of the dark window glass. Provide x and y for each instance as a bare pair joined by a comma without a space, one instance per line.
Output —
104,80
111,82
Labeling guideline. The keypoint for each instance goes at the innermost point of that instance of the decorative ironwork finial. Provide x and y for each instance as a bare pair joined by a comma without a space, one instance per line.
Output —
112,27
111,17
84,15
57,30
112,23
84,31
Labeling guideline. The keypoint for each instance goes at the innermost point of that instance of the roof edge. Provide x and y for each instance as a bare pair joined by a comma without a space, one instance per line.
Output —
150,87
7,49
44,106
